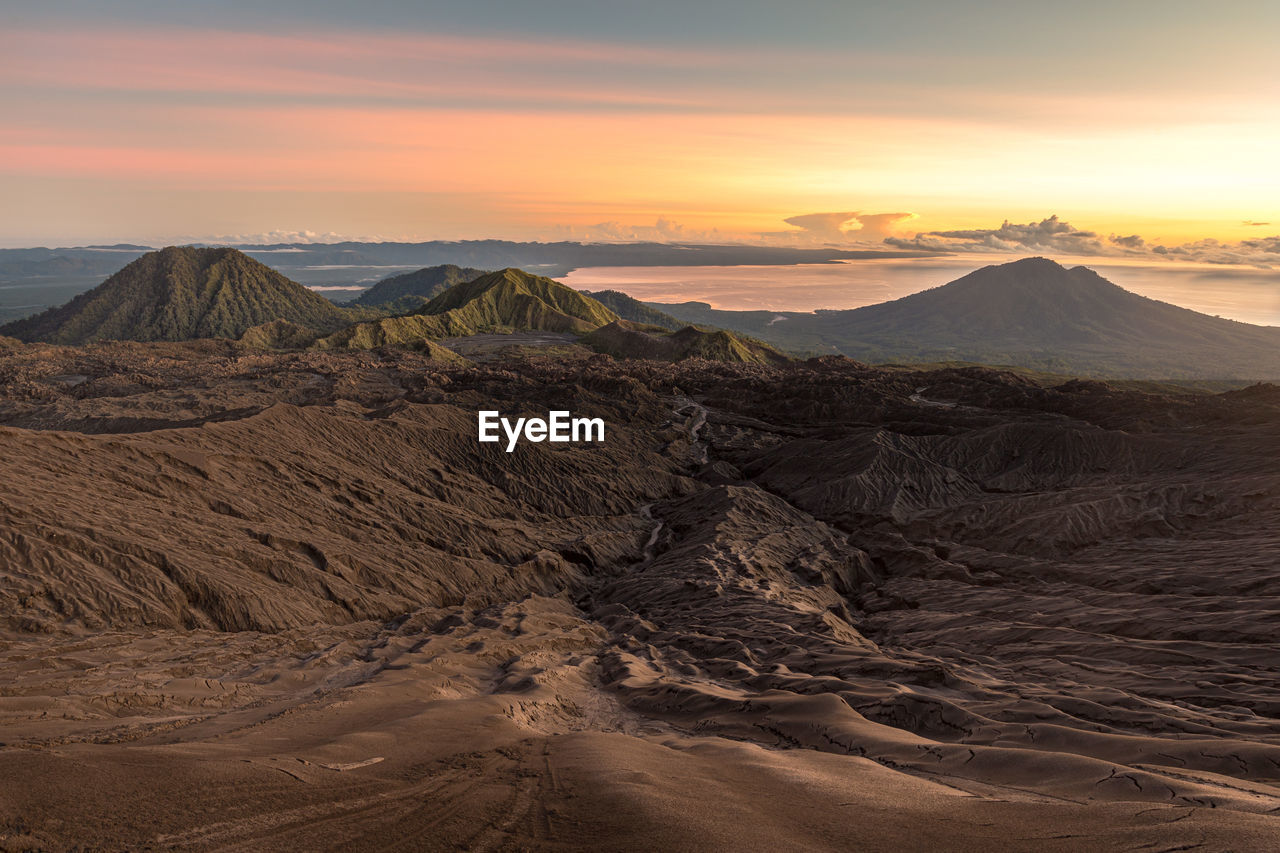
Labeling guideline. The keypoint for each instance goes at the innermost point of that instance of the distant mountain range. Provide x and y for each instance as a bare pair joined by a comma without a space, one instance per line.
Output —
180,293
479,254
1031,313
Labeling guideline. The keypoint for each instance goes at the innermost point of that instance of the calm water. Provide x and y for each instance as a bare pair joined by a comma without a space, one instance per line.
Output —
1249,295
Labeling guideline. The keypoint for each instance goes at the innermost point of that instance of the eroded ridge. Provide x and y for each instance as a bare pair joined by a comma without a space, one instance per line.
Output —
288,600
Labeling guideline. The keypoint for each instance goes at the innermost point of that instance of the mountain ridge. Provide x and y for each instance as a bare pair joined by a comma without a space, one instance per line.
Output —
633,310
400,294
623,339
505,300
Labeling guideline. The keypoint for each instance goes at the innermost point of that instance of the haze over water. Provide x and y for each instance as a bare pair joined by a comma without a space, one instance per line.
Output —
1238,293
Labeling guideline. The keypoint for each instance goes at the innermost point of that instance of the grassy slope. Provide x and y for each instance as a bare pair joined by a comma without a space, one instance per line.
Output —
400,294
503,301
635,311
180,294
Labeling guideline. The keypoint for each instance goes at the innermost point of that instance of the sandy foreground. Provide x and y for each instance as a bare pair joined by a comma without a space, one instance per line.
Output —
288,602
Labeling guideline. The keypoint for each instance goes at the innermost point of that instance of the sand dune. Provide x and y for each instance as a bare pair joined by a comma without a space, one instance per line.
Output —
258,601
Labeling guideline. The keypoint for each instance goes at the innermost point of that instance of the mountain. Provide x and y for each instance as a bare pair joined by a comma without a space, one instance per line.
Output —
41,277
1030,313
400,294
629,340
181,293
633,310
505,301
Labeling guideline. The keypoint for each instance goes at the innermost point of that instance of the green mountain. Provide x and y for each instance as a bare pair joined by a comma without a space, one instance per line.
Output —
509,300
181,293
622,339
400,294
633,310
1031,313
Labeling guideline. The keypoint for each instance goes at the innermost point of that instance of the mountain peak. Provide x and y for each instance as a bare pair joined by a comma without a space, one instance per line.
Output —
1032,312
1035,312
180,293
511,297
502,301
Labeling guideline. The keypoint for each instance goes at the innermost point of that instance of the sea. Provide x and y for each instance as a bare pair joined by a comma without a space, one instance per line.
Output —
1238,293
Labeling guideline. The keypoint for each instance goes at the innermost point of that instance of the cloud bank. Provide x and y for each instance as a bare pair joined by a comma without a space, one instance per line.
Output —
281,236
857,230
664,230
838,228
846,229
1054,236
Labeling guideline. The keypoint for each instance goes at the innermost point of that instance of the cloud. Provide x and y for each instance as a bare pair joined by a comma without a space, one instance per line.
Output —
838,228
1263,252
664,230
1133,241
1053,236
823,226
846,229
1049,236
267,238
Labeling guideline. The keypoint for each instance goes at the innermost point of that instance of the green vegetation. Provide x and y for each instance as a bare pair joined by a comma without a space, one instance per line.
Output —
629,340
400,294
279,334
505,301
635,311
182,293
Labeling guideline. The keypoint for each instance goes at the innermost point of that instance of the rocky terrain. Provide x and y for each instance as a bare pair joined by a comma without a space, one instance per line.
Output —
623,339
264,600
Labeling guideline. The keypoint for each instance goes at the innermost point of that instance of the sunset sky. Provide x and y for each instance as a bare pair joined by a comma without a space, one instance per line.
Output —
155,122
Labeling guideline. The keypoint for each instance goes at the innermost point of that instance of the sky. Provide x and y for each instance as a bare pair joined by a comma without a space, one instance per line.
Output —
1144,129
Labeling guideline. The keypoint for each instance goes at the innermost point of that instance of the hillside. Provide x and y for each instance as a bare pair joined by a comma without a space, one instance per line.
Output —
1031,313
181,293
400,294
633,310
629,340
504,301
